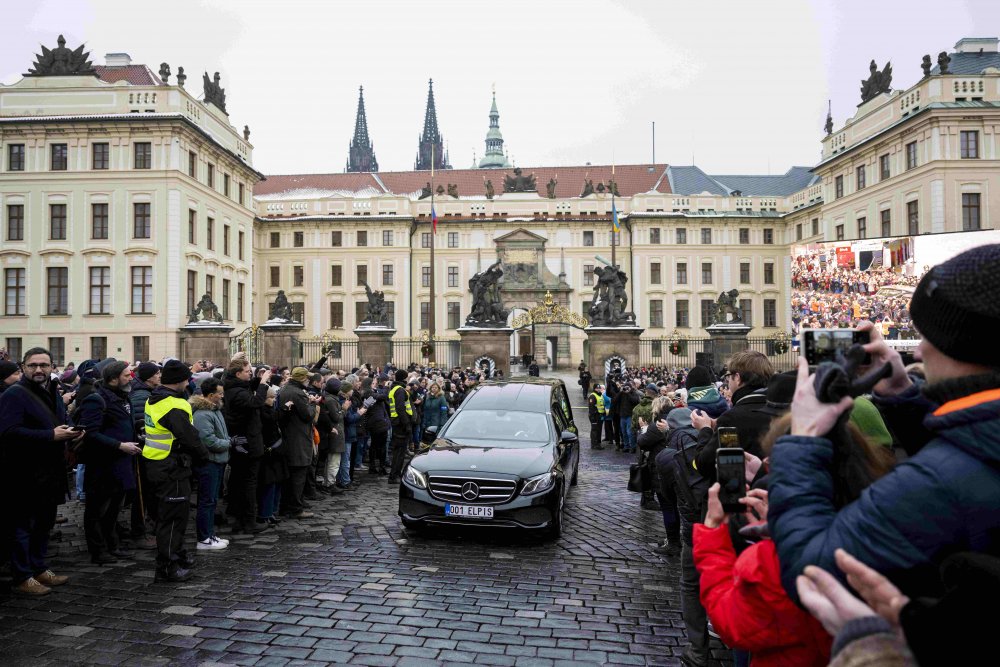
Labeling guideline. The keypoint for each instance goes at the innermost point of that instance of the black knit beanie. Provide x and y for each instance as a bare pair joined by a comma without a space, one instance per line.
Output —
7,368
956,306
401,375
699,376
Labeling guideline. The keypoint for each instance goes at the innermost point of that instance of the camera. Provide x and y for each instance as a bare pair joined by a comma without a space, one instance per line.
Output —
819,345
730,469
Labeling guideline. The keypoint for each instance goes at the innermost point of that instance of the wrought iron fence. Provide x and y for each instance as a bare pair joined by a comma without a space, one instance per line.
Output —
250,341
339,354
406,351
673,353
779,352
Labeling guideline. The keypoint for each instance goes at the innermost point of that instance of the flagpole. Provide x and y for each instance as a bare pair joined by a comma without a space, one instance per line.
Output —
431,309
614,234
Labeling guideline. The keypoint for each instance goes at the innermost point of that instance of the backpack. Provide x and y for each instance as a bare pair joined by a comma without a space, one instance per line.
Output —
689,482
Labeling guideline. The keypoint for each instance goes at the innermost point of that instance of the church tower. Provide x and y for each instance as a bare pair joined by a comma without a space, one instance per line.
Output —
494,157
431,137
362,153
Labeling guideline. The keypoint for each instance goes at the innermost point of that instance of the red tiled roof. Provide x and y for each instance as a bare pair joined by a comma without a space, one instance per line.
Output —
632,179
137,75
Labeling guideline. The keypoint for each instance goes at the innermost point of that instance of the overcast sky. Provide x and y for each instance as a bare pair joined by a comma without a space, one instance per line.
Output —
738,86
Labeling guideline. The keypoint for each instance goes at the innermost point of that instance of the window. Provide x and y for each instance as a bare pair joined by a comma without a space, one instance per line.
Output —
298,276
425,315
362,274
768,236
744,273
100,156
99,221
454,314
706,235
386,237
746,308
913,217
362,238
298,239
768,273
911,155
585,311
859,176
98,347
656,313
60,157
336,275
210,233
970,211
225,185
15,222
210,175
682,273
225,298
100,290
210,286
298,312
336,239
815,226
706,273
141,221
13,294
143,155
15,157
744,235
57,222
862,228
140,347
241,190
770,312
57,347
387,274
452,276
707,312
360,310
970,144
240,287
452,239
654,273
225,239
275,276
425,276
390,311
588,238
58,291
425,239
883,166
838,187
683,317
14,348
142,290
241,238
798,232
336,314
275,240
192,287
654,236
886,222
192,164
840,232
588,275
192,226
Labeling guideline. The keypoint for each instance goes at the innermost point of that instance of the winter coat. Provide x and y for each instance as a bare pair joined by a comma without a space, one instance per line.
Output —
749,608
882,648
241,408
594,413
644,410
682,441
137,398
296,424
274,466
435,411
34,465
402,423
942,500
750,427
708,400
351,418
187,449
377,417
629,400
106,416
336,412
211,425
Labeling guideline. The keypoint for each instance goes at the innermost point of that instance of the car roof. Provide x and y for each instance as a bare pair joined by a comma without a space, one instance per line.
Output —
524,395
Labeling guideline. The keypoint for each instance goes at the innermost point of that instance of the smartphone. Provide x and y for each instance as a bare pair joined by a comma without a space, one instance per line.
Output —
730,471
819,345
728,437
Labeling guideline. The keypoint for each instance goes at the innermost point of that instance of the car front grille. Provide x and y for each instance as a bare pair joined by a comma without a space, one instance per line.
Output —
455,489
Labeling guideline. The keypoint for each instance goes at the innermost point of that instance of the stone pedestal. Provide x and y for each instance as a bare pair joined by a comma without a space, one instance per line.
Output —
278,343
205,341
374,345
610,345
727,340
486,347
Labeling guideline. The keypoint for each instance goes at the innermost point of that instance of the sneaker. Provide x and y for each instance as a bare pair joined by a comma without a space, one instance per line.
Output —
211,544
361,467
711,631
303,515
146,543
172,574
50,578
669,549
31,586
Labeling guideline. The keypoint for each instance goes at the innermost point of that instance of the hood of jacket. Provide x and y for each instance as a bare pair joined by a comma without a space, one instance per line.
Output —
971,424
679,418
707,399
162,392
199,402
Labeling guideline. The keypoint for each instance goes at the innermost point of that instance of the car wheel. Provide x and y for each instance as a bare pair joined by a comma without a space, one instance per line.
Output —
576,473
556,527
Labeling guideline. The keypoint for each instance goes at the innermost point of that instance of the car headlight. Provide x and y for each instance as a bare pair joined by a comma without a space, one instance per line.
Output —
538,484
415,478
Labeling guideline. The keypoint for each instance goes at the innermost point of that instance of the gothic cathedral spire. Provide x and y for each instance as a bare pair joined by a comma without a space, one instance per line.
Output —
431,137
362,152
494,157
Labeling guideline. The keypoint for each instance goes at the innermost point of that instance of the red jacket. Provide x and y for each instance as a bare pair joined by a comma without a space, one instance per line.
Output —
748,606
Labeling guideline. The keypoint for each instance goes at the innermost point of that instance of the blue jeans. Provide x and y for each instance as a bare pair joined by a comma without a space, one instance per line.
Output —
359,451
268,500
344,473
31,526
80,471
628,438
209,479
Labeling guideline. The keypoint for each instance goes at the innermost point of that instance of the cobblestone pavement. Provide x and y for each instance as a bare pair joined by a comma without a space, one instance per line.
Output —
351,586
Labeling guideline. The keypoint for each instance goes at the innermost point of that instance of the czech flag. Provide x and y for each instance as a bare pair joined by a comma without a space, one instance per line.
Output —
434,220
614,217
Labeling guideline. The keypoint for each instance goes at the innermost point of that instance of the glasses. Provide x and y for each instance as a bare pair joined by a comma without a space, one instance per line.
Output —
39,366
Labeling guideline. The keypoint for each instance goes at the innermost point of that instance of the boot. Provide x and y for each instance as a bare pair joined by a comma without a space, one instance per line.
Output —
172,574
668,549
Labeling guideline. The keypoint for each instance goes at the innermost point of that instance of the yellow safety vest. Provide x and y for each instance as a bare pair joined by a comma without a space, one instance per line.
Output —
392,402
158,439
599,398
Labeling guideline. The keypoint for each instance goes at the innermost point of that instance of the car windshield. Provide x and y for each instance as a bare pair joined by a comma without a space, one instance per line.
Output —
502,427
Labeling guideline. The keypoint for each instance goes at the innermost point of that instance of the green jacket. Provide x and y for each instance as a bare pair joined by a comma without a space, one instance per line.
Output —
644,410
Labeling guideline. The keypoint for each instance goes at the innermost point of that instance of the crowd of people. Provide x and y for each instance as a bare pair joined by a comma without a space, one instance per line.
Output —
869,528
143,438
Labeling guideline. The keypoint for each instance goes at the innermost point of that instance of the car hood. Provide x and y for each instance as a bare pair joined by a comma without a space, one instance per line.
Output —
450,456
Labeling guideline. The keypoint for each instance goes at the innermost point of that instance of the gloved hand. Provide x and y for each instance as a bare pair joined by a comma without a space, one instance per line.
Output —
238,442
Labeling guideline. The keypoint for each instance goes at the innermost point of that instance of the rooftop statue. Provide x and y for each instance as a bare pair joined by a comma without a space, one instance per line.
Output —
943,61
425,191
453,190
165,73
489,189
926,65
246,133
877,82
62,61
588,187
214,93
550,188
519,183
181,77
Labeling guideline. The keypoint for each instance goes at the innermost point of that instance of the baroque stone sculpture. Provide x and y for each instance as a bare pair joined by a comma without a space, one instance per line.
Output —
877,82
489,189
425,191
205,311
829,119
550,188
62,61
926,65
518,182
588,187
728,305
165,73
610,298
453,190
213,92
487,304
281,310
377,315
943,61
246,133
181,77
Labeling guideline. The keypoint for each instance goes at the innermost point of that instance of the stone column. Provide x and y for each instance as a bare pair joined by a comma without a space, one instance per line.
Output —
374,345
607,343
486,345
727,340
205,341
277,340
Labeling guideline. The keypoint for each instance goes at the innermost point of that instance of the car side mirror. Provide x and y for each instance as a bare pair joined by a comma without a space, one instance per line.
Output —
568,437
430,435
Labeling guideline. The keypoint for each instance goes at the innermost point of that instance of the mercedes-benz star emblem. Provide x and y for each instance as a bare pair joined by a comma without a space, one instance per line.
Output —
470,490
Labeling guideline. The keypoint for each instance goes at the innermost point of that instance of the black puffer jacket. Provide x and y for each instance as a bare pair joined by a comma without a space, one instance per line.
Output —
243,403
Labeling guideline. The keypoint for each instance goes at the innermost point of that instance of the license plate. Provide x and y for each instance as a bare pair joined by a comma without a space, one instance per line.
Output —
469,511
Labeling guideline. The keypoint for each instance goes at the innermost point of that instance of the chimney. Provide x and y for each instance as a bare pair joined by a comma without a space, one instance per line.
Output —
977,45
117,59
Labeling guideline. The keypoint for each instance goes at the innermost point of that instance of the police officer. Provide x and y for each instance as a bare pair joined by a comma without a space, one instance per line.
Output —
596,411
171,443
401,415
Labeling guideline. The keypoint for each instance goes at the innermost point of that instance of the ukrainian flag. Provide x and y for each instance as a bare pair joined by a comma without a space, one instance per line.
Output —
614,217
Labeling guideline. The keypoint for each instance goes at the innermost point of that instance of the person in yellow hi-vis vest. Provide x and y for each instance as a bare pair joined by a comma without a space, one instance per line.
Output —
402,417
171,443
596,412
